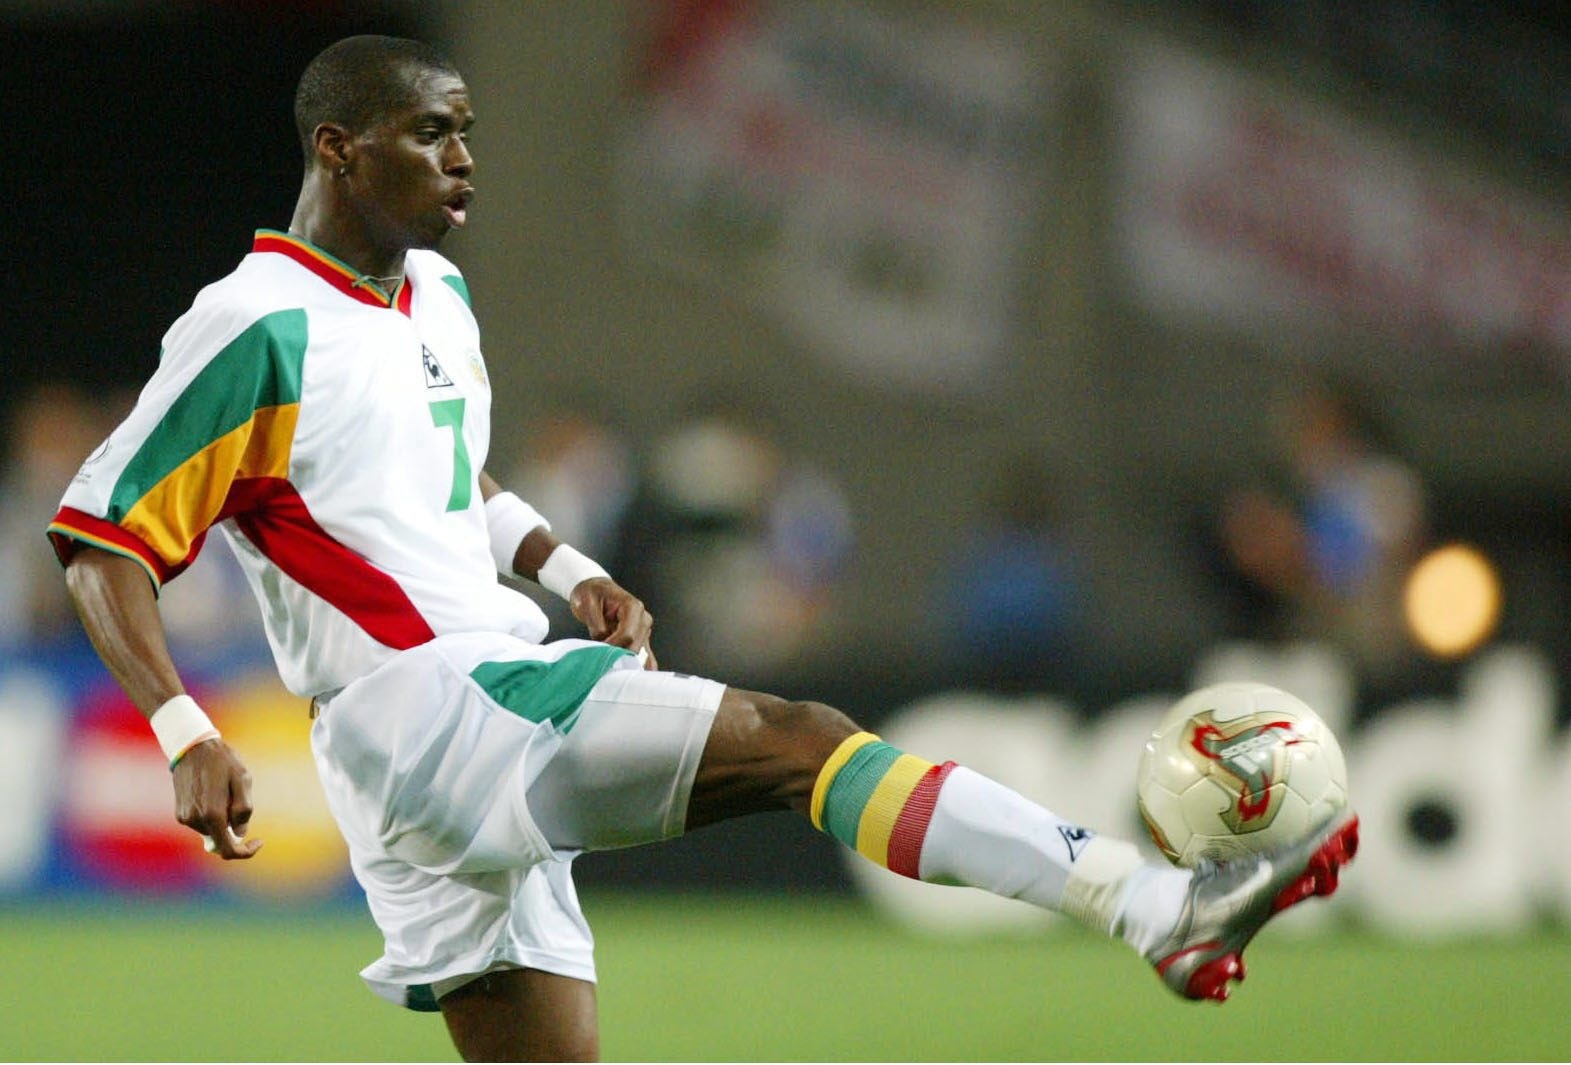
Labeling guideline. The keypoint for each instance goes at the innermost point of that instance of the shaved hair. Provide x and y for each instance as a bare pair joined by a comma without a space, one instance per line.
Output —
356,81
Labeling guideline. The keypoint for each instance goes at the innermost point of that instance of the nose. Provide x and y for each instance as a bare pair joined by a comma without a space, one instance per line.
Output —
459,163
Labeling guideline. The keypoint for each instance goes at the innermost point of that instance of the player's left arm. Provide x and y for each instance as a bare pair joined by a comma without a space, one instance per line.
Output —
610,612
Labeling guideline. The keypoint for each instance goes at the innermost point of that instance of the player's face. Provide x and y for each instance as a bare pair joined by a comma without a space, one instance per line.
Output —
412,170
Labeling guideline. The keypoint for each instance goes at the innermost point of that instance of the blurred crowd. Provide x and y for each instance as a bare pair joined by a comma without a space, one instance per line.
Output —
744,549
50,430
1321,546
740,544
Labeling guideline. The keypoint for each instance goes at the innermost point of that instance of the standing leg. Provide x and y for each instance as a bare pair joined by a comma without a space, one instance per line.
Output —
523,1015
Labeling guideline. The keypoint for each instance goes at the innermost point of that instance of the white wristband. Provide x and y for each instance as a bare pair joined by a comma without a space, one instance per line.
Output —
566,569
180,725
508,520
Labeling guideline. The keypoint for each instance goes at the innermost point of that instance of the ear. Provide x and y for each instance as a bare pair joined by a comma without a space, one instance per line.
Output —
333,146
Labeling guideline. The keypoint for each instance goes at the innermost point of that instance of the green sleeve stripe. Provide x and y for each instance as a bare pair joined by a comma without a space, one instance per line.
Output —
259,368
547,691
853,786
460,286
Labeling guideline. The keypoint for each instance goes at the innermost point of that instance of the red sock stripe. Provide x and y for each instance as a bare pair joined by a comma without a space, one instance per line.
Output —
905,842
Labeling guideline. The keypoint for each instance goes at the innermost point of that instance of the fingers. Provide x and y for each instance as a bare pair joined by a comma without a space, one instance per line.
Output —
633,623
591,610
240,802
213,799
227,840
239,821
236,847
613,615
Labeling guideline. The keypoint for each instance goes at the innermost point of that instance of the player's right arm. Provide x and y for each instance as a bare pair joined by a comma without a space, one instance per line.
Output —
219,409
119,610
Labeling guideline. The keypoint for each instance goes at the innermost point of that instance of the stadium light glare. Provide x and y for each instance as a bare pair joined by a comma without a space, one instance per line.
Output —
1452,600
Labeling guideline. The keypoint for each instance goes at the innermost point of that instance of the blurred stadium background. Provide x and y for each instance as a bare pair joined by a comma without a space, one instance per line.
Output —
994,370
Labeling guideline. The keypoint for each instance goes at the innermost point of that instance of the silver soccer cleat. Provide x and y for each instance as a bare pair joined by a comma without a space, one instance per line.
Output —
1230,901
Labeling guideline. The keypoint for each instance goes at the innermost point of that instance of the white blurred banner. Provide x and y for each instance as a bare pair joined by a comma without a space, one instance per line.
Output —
1264,213
1461,799
867,183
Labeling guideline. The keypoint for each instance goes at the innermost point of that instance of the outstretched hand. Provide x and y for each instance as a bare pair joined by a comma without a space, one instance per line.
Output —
615,616
213,798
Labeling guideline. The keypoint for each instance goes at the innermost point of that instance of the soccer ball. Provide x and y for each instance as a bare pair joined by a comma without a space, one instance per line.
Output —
1237,768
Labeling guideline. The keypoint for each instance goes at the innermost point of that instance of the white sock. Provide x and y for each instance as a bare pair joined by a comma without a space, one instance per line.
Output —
985,835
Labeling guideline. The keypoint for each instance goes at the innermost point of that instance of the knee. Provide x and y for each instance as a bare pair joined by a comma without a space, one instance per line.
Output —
803,732
813,727
764,753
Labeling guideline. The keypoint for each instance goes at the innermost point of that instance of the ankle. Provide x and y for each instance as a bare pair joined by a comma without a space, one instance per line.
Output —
1098,882
1114,891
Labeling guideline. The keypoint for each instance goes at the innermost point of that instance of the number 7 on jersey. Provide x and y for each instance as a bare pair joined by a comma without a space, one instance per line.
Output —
449,413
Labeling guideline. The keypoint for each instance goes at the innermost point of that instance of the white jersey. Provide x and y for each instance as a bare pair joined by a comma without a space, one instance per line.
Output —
336,435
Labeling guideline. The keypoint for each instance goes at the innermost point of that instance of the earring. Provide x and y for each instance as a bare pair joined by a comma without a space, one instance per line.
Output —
343,171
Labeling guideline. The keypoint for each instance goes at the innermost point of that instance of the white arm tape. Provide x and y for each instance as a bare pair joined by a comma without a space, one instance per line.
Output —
180,725
508,520
566,569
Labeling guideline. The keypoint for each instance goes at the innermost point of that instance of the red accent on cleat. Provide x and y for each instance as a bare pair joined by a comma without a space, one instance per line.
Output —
1212,980
1168,962
1320,875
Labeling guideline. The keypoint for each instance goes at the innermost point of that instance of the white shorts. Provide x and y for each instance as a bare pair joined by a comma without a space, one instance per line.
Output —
466,773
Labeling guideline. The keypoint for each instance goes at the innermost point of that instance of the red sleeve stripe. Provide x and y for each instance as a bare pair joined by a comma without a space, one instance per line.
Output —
73,527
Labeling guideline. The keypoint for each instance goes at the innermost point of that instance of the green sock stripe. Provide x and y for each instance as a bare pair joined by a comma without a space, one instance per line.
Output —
853,786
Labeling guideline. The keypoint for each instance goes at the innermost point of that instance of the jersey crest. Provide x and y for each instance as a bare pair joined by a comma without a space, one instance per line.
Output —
435,376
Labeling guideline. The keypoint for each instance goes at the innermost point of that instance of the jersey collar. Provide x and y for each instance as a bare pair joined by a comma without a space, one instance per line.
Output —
334,271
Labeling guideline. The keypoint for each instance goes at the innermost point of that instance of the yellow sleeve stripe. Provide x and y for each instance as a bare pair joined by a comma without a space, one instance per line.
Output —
179,508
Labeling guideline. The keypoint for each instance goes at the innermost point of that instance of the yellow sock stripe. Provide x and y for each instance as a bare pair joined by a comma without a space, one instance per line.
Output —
883,809
826,776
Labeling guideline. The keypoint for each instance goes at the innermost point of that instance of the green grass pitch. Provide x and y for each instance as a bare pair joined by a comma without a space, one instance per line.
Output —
738,978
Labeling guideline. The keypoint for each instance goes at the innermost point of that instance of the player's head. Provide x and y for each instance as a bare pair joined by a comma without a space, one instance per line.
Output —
383,123
359,80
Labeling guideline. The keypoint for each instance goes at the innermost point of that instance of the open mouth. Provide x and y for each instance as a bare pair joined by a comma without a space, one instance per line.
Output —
456,207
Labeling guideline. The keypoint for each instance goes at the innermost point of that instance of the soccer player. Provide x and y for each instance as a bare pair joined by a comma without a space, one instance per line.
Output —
326,407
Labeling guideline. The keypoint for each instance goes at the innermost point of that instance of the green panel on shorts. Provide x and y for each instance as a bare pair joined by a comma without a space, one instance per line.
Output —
547,691
421,998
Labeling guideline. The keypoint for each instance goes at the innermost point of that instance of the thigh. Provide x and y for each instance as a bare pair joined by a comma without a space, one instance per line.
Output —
523,1015
624,770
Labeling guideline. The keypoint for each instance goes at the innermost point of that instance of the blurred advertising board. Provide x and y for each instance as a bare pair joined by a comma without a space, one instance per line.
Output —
1461,795
88,799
